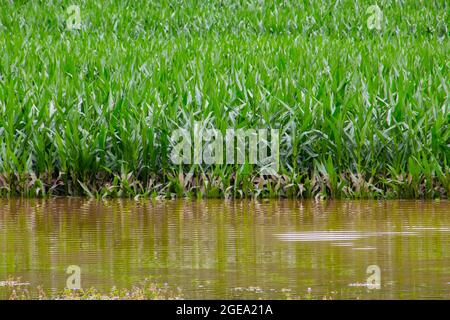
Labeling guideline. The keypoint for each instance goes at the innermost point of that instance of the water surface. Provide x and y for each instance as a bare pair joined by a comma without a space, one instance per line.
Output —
231,249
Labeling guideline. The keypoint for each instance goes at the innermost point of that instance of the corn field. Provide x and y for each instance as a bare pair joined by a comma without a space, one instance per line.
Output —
362,111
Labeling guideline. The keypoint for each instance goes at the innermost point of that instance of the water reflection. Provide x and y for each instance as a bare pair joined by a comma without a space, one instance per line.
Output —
231,249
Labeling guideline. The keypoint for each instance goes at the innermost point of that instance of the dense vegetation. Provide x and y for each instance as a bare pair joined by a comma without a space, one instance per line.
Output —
361,112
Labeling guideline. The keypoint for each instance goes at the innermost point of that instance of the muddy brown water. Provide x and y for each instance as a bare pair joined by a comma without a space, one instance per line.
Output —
219,249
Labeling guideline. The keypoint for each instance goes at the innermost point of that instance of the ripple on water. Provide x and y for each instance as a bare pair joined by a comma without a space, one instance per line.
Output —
320,236
420,228
313,236
343,244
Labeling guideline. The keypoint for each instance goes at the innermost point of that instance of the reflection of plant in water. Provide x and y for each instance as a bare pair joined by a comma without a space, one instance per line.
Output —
145,291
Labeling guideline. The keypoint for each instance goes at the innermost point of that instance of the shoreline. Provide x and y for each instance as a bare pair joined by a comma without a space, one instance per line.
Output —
318,186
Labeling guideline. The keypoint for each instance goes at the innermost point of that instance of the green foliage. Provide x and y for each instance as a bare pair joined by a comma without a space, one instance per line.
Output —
361,113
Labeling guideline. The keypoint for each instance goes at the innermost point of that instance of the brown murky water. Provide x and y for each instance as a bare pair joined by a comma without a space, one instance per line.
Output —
238,249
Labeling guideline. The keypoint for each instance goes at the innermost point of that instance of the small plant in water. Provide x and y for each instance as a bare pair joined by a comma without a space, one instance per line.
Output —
145,291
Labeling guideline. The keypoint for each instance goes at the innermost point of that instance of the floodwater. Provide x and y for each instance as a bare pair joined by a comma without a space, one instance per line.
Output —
219,249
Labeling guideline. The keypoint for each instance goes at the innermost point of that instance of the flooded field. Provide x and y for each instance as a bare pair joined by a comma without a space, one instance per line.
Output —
231,249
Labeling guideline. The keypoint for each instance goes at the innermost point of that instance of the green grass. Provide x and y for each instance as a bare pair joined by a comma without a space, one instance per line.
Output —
361,113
